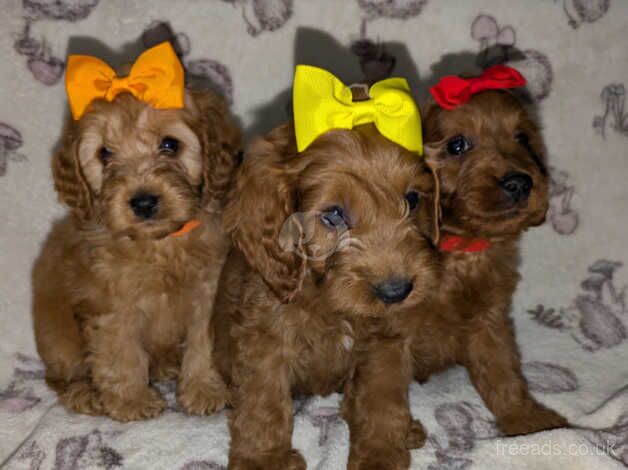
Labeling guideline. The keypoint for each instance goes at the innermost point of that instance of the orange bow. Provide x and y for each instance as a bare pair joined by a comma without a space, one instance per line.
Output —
156,78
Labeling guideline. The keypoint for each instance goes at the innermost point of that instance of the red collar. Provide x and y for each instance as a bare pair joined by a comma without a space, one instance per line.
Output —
457,243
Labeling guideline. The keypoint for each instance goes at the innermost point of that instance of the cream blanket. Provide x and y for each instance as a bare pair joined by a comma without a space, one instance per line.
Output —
570,311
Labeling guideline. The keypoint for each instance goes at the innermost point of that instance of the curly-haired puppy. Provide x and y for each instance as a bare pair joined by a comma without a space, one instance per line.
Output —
328,258
121,296
488,154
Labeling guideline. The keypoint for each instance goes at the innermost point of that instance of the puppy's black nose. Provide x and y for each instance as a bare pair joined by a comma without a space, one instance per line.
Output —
393,290
517,186
144,205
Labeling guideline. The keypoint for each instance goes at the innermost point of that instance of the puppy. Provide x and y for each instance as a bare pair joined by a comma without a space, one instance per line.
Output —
328,259
488,154
121,294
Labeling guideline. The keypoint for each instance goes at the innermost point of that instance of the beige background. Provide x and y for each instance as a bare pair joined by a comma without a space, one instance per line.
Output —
250,47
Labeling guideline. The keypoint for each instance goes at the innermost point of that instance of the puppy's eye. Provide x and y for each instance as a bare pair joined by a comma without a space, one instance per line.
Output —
522,138
458,145
412,198
104,154
169,146
334,218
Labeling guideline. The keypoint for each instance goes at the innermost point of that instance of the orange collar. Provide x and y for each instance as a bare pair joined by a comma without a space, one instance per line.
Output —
187,228
457,243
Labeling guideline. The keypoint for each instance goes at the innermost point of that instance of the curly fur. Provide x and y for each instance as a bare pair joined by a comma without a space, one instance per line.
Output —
467,322
116,301
298,298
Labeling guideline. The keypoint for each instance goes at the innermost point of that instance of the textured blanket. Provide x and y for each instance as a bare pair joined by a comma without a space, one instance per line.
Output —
570,311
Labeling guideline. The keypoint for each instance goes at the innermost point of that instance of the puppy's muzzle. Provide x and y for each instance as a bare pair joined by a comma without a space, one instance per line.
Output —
144,205
516,186
393,290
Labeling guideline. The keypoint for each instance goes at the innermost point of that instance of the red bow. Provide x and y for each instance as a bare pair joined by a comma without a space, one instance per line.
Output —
453,91
465,245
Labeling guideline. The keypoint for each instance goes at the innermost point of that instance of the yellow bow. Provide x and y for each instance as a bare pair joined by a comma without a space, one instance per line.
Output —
322,102
155,78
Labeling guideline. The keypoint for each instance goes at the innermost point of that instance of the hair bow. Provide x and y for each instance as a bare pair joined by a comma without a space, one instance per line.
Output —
452,91
156,78
322,102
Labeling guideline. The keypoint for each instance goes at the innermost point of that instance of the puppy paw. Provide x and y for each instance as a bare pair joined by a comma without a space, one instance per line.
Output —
529,419
387,458
416,435
144,405
81,397
164,371
291,460
202,397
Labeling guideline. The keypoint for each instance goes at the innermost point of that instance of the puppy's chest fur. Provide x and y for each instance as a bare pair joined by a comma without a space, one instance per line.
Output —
317,345
323,350
475,287
155,282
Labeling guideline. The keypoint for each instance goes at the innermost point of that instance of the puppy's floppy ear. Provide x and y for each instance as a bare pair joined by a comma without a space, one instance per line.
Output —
430,122
429,213
221,142
433,141
69,179
432,134
260,204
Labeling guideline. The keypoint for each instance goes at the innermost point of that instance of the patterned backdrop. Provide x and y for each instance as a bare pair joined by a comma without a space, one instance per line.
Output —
570,310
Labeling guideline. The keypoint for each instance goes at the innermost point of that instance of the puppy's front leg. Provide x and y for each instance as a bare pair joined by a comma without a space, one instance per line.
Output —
119,366
377,410
493,362
200,390
261,422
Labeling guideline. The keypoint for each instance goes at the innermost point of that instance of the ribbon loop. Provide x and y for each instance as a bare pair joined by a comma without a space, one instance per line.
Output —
156,78
322,102
452,91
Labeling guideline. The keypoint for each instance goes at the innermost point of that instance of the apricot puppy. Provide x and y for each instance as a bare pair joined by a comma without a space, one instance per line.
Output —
328,259
488,154
121,294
